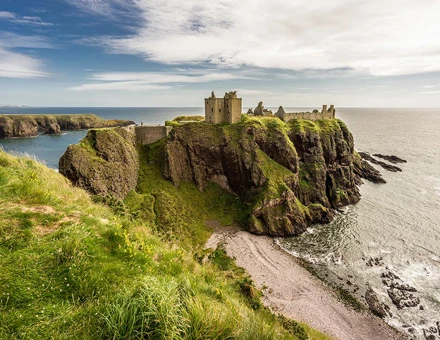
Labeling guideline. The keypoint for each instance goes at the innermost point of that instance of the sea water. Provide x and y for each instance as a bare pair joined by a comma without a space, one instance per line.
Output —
398,222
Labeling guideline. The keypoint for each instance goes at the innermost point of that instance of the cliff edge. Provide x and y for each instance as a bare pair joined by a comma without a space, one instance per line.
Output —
287,175
30,125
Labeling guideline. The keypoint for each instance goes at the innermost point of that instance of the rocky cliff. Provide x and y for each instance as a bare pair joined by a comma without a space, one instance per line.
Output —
288,175
29,125
105,162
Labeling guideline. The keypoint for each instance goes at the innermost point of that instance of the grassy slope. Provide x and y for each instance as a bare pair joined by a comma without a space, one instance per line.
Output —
73,269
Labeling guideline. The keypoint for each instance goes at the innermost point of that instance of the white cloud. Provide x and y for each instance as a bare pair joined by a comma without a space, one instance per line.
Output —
12,40
139,81
120,86
431,86
19,65
100,7
428,92
7,15
25,20
379,37
16,65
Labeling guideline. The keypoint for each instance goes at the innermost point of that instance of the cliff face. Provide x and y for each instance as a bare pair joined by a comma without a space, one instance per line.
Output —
290,175
105,162
29,125
287,175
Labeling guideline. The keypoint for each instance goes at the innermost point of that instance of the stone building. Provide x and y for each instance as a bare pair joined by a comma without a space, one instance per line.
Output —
223,110
314,115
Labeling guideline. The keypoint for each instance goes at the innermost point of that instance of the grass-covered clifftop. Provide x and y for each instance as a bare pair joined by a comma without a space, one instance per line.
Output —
287,175
29,125
283,176
74,269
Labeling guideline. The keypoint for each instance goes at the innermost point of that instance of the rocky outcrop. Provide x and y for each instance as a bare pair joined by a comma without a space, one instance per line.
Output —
53,129
17,127
289,175
104,163
384,165
378,308
30,125
390,158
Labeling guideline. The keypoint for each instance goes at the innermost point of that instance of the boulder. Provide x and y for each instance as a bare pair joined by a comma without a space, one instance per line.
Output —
53,129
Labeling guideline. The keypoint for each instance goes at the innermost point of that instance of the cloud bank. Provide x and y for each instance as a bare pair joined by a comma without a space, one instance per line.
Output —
141,81
381,38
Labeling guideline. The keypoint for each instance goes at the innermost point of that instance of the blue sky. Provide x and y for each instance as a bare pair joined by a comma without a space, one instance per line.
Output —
351,53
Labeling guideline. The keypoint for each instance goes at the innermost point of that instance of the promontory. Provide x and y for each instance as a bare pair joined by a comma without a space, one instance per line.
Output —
30,125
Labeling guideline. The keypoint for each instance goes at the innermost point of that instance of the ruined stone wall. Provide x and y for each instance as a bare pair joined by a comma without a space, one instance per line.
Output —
315,115
150,134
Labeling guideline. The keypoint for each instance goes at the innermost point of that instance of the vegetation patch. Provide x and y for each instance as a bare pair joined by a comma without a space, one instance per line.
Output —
111,274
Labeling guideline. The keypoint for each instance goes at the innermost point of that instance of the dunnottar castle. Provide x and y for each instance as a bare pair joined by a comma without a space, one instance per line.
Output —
229,109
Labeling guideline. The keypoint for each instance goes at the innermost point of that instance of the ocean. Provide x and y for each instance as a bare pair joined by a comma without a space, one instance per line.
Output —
398,222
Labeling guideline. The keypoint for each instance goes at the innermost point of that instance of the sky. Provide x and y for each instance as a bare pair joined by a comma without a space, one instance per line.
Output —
296,53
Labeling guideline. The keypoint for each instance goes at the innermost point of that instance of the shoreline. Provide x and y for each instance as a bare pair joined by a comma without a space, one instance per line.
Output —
293,291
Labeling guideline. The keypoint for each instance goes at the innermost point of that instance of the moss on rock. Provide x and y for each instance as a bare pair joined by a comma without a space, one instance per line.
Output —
105,162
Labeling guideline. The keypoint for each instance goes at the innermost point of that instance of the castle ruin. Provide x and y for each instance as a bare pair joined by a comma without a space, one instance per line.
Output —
223,110
314,115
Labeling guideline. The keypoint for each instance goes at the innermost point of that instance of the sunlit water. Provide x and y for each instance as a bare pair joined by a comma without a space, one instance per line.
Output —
398,221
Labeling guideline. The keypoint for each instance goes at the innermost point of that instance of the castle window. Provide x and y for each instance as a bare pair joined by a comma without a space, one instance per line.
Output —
206,102
219,110
212,109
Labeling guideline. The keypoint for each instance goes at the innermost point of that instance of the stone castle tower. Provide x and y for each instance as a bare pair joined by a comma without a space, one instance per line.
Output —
223,110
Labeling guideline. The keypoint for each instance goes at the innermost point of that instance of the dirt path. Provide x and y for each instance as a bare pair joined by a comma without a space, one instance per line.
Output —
294,292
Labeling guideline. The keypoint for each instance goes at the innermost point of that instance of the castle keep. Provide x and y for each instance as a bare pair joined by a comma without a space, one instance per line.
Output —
223,110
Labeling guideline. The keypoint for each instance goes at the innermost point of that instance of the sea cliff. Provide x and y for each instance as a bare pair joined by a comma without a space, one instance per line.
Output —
30,125
286,176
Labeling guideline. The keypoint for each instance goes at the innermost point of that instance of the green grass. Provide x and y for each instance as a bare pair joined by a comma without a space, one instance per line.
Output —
70,268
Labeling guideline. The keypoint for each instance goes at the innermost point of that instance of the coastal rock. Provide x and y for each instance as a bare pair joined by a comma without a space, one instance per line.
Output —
104,163
391,158
366,170
402,298
53,129
378,308
375,261
384,165
250,112
17,127
29,125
